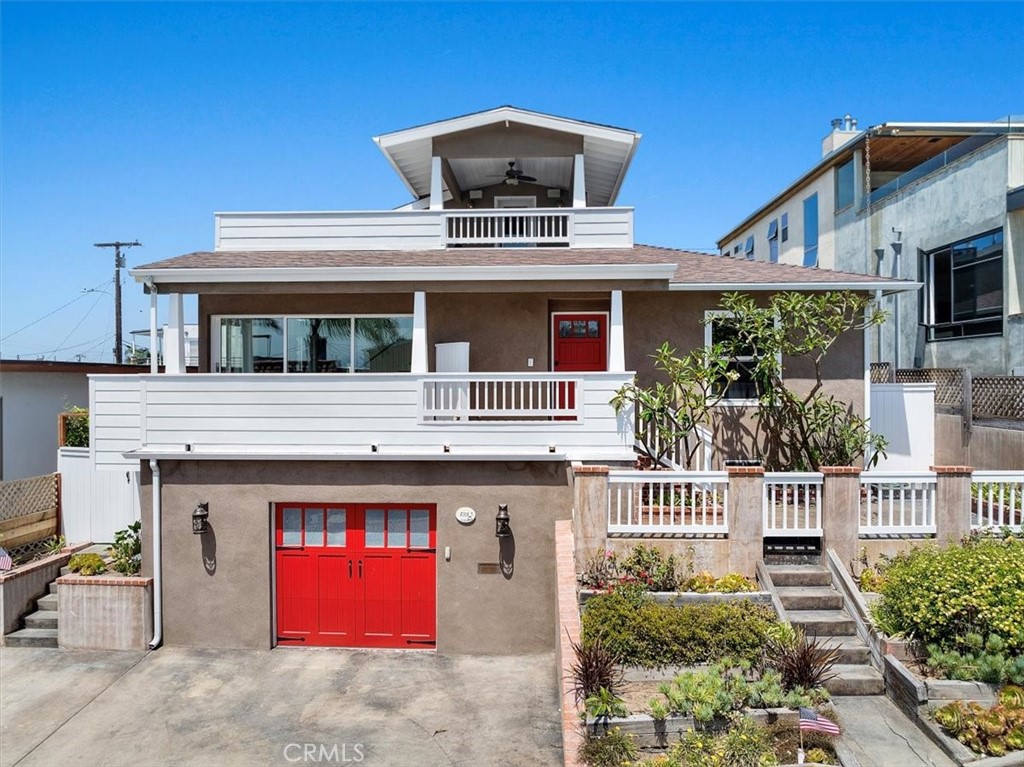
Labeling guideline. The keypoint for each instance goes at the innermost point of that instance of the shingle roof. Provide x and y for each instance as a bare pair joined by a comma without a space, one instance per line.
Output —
691,268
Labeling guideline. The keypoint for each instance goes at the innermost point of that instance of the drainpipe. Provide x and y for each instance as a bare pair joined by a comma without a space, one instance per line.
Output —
158,601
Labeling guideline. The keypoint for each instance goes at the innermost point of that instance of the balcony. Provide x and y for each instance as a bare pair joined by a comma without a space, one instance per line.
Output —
399,416
425,229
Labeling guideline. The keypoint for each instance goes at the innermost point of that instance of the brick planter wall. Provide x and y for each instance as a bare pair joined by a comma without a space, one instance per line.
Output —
568,631
104,613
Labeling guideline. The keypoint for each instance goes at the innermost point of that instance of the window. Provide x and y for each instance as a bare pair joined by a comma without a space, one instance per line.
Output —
844,185
785,227
744,390
748,249
811,230
368,344
736,250
773,241
964,288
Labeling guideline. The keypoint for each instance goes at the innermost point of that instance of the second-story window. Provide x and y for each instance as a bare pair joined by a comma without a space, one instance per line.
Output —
844,185
811,230
773,241
785,226
748,249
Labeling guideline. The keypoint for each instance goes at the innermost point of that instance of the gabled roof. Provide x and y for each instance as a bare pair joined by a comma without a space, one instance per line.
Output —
677,269
607,150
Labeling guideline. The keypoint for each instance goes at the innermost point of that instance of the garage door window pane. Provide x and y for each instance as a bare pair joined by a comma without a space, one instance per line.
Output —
314,527
397,522
336,527
291,527
419,533
375,528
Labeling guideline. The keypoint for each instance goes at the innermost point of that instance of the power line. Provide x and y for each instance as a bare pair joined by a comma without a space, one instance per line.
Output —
36,322
99,295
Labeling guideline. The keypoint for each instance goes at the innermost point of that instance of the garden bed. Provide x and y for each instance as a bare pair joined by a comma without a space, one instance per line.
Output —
660,733
693,597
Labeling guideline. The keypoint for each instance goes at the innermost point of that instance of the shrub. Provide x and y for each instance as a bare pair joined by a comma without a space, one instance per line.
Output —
744,744
127,550
76,427
939,596
647,633
819,756
701,583
648,565
734,583
594,669
87,564
982,660
601,570
612,749
603,704
801,662
992,731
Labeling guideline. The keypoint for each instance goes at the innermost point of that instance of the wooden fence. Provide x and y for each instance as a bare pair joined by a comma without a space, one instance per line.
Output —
29,510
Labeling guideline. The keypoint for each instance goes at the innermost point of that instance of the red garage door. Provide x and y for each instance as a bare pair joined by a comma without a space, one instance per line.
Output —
356,575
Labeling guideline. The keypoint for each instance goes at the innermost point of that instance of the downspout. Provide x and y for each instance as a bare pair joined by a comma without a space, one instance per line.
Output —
158,600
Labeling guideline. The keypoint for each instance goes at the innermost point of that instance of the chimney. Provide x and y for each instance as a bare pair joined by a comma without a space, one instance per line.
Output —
843,129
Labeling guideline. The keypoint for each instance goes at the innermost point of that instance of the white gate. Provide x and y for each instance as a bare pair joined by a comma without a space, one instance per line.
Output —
94,504
905,415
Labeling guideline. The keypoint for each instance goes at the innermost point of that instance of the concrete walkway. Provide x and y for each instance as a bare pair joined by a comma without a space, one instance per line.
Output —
281,707
879,735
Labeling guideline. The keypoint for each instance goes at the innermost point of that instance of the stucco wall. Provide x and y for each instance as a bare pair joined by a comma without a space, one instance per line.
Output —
217,587
989,448
28,427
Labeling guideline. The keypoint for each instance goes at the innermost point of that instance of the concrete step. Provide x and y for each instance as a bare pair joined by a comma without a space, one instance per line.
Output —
32,638
53,587
833,623
799,575
855,680
810,598
48,602
41,619
852,650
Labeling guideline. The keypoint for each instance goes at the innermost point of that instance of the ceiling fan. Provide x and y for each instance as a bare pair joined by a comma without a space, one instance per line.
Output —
513,175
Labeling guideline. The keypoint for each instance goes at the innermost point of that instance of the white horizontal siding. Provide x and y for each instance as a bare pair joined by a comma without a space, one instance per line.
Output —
333,413
603,228
114,420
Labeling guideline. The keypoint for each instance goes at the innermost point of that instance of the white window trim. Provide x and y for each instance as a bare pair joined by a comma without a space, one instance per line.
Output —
513,201
215,320
709,314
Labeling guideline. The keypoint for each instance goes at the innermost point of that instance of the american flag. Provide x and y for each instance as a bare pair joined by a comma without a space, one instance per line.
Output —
811,721
5,561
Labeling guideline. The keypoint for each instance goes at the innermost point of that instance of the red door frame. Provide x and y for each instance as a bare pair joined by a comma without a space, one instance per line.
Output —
356,595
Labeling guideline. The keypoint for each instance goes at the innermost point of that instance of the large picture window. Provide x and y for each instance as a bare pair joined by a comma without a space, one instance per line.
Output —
965,288
744,390
367,344
811,230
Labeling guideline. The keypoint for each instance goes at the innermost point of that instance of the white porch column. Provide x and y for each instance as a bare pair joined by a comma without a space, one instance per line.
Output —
436,193
174,335
616,337
579,183
154,343
419,332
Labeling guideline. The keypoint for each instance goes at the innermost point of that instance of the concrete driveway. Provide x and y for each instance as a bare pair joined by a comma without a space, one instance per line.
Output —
282,707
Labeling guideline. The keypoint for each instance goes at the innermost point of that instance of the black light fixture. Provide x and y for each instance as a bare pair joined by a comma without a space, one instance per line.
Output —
199,517
501,528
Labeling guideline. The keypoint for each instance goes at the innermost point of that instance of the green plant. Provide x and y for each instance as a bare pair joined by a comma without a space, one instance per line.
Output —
76,426
55,545
734,583
700,583
613,749
650,633
803,663
87,564
601,570
594,668
941,595
648,565
819,756
743,744
126,553
805,430
604,704
992,731
979,659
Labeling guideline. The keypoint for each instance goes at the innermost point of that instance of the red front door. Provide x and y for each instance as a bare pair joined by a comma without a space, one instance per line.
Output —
356,575
580,342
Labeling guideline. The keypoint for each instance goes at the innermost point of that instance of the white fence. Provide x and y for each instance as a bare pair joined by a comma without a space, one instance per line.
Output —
490,227
897,503
501,398
94,504
668,503
905,415
997,498
791,504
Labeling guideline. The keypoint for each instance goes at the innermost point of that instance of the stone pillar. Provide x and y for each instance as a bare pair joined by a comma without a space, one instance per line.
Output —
952,503
840,511
590,487
746,524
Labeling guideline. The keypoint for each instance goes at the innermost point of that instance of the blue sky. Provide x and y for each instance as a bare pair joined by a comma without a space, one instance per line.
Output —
123,121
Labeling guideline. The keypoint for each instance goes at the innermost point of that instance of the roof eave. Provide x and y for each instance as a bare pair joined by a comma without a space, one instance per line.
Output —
887,286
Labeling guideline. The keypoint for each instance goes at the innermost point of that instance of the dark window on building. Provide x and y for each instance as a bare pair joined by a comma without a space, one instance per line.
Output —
811,230
844,185
773,241
749,247
785,227
965,288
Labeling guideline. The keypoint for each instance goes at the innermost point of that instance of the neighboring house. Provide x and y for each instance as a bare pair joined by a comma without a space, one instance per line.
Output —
938,203
376,387
32,394
191,333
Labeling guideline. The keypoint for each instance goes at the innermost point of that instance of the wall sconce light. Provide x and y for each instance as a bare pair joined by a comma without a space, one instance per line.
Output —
501,527
199,518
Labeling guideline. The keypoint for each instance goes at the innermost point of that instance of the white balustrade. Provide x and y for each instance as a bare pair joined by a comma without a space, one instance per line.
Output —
997,498
791,504
501,227
897,503
668,503
495,398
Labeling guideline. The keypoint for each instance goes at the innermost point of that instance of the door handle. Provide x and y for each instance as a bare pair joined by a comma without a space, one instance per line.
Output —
360,568
350,568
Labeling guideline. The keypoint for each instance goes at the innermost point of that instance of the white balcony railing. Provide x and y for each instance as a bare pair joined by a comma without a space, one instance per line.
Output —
424,229
371,414
997,498
897,503
791,504
668,503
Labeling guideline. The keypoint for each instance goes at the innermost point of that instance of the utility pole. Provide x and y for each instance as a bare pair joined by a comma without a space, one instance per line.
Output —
118,263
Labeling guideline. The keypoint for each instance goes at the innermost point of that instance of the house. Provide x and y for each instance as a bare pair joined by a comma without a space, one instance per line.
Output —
937,203
393,406
191,334
32,394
